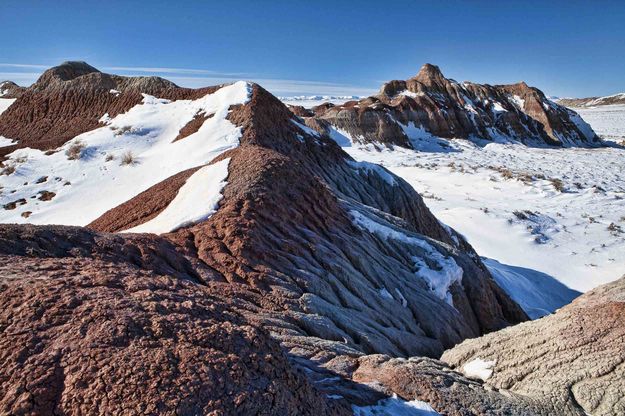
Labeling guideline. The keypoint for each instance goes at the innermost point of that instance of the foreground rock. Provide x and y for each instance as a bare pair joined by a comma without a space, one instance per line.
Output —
413,113
571,362
96,324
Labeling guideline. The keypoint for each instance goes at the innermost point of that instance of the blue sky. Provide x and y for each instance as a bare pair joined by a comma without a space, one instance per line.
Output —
570,48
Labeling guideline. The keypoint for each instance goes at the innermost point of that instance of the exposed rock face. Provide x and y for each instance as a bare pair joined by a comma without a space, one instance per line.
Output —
593,101
9,89
286,222
571,362
103,324
334,259
405,112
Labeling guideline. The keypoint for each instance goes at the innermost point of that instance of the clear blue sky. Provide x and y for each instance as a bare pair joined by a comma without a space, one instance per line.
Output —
566,48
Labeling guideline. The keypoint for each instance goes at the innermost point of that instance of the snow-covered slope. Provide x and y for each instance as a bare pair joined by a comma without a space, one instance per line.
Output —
607,120
102,168
4,104
613,99
309,101
536,214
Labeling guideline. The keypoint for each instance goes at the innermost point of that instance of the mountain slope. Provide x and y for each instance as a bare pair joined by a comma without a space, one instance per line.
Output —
333,258
593,101
414,112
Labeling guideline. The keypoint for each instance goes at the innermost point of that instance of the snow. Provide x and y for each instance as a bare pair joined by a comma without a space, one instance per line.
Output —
439,280
195,201
90,185
395,406
574,236
607,121
520,102
372,167
385,293
5,103
537,293
309,101
479,368
4,142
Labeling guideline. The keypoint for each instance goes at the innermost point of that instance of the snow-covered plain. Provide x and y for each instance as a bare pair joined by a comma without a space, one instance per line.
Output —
102,168
608,121
308,101
543,218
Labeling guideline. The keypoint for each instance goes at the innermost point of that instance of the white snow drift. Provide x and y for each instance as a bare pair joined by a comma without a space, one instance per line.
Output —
102,168
537,214
195,201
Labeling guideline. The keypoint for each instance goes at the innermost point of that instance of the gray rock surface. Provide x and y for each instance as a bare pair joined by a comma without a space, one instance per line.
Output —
572,361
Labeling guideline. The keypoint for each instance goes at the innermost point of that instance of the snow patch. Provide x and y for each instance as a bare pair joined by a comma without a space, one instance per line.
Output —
479,368
195,201
98,179
5,103
440,279
395,406
372,167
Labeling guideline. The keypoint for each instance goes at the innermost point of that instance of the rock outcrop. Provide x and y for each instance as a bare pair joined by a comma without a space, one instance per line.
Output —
593,101
9,89
71,98
572,362
95,324
405,113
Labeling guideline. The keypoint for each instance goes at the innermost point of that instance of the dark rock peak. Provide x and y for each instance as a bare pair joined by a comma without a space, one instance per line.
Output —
69,70
429,74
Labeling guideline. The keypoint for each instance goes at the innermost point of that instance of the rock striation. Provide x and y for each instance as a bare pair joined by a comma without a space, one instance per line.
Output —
429,105
615,99
571,362
308,290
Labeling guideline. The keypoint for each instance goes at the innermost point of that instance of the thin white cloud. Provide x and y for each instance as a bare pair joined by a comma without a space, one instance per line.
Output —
29,66
186,78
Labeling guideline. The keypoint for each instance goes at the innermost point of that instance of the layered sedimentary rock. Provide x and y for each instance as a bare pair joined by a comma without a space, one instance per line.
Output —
571,362
94,324
615,99
9,89
330,257
430,105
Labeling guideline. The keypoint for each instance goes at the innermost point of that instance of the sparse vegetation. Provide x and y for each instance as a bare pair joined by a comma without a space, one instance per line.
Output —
128,158
121,130
74,152
557,183
109,157
615,229
7,170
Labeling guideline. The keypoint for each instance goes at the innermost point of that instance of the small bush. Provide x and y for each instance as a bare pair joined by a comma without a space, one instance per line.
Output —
7,170
506,173
128,158
122,130
557,183
75,151
109,157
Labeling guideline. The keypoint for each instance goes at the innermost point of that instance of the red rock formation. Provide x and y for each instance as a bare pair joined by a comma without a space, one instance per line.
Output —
71,98
448,109
100,324
186,315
